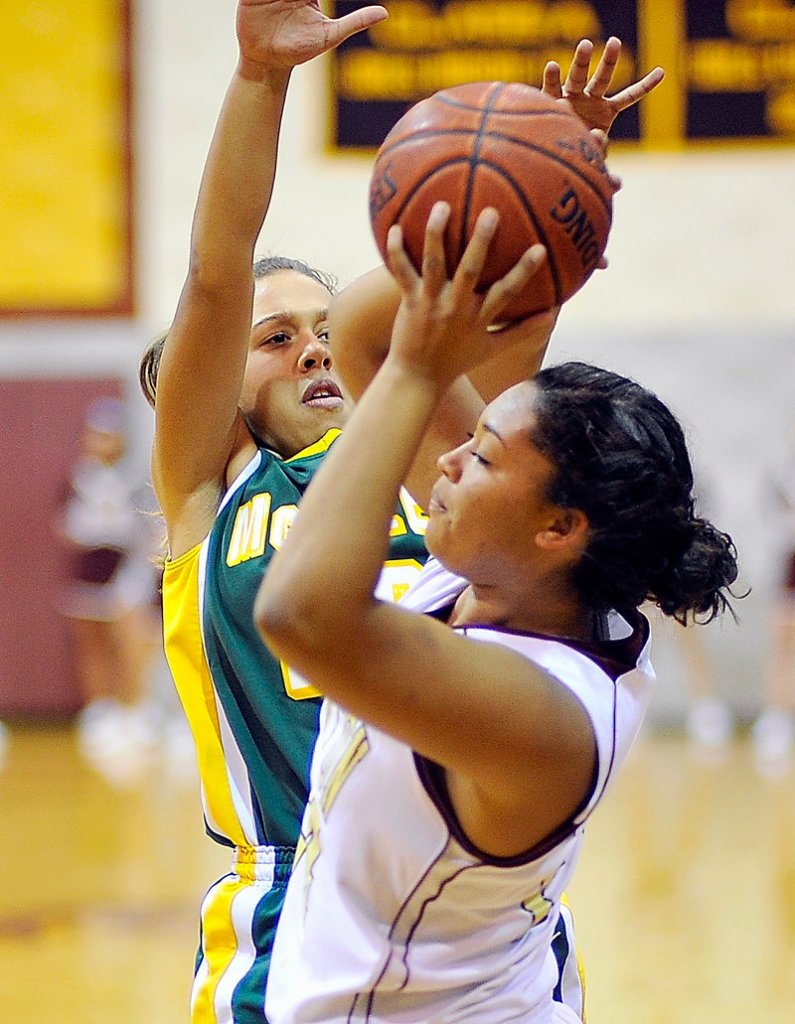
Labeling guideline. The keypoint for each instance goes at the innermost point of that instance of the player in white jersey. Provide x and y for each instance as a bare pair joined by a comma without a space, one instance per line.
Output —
465,748
446,901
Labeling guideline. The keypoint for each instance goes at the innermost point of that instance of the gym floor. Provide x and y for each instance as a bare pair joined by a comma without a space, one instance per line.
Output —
684,899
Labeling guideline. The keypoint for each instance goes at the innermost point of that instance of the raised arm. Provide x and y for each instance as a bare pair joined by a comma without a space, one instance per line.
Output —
198,429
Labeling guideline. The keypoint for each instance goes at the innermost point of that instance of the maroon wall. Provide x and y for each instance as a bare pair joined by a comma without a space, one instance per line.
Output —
40,422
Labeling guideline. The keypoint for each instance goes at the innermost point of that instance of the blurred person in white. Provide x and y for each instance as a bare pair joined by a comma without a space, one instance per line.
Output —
110,594
773,732
709,720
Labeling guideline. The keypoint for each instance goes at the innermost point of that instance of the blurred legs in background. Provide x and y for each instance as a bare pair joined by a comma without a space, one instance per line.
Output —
709,721
773,732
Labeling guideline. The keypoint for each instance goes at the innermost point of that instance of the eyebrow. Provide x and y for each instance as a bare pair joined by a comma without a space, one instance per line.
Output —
290,316
490,430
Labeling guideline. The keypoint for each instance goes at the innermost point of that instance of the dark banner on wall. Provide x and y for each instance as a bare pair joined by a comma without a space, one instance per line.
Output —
730,65
740,69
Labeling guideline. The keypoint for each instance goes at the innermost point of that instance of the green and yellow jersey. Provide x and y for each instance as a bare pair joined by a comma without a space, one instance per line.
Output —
253,719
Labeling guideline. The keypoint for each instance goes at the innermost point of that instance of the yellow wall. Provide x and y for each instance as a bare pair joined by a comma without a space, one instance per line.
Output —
64,190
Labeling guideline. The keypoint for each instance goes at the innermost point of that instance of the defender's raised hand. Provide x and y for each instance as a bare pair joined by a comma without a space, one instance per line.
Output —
284,33
586,96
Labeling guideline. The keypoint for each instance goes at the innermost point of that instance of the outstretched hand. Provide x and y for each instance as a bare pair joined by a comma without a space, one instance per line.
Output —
586,96
284,33
443,326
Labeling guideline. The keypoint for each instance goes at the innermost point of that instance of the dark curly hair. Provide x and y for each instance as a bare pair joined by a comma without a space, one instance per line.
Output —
264,266
621,458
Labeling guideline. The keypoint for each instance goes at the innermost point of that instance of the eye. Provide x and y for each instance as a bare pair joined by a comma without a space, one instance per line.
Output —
322,334
280,338
479,458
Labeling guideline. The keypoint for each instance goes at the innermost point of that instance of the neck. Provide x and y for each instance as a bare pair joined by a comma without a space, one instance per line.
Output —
553,615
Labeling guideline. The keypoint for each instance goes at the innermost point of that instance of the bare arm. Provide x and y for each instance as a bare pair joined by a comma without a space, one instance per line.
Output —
197,425
361,321
204,355
517,746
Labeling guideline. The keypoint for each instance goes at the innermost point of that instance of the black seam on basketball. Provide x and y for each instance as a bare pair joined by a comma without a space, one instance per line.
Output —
425,133
418,184
532,112
534,147
474,161
542,235
537,148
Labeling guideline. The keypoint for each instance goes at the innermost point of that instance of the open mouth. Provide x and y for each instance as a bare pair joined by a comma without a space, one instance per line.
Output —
322,394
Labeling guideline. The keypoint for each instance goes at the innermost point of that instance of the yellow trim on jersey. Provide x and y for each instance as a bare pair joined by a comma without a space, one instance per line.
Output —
185,653
322,445
580,965
220,946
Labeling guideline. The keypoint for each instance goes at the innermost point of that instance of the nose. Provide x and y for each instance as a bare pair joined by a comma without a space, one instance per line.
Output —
315,353
450,463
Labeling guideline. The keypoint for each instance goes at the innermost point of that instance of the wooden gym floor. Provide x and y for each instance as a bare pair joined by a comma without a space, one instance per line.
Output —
684,901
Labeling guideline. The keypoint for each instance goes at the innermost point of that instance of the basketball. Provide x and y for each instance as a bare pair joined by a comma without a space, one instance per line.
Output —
509,146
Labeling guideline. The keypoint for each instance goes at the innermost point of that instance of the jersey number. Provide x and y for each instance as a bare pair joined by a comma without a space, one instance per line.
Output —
397,576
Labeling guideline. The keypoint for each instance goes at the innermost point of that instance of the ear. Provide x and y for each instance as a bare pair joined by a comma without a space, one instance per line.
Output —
567,529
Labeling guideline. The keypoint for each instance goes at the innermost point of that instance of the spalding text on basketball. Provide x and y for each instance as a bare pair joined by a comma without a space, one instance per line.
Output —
587,151
382,189
577,225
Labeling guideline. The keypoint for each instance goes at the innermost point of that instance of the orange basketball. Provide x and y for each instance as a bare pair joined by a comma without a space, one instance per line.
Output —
511,147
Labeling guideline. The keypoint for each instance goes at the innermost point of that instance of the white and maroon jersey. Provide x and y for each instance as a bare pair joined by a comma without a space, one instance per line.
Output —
392,915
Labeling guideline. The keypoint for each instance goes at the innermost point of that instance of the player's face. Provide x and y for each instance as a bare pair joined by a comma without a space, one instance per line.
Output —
104,446
490,502
291,394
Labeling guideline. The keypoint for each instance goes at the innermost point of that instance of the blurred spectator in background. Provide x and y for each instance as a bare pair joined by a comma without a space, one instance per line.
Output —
111,595
773,732
709,718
